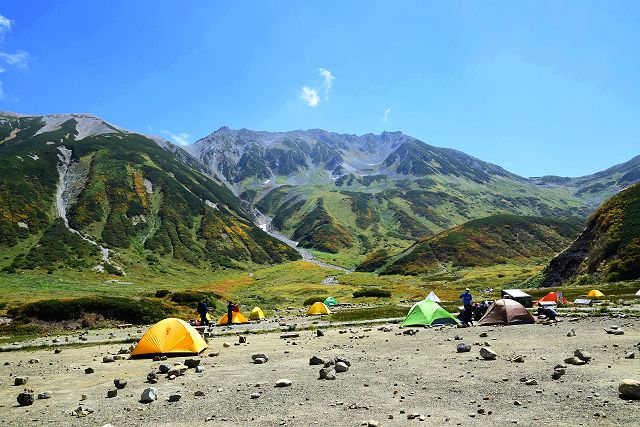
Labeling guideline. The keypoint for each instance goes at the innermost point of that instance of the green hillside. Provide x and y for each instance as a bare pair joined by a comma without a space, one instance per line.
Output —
483,242
119,192
607,250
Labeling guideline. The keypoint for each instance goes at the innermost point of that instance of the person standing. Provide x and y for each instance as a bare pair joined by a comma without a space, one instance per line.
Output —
466,299
229,313
203,309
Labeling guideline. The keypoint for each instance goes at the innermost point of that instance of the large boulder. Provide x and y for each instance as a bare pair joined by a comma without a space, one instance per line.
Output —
149,395
629,389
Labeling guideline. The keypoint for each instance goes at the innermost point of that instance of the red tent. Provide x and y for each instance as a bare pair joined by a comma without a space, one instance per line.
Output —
552,297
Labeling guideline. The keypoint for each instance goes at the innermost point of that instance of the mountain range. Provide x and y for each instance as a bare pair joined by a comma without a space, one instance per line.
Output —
80,193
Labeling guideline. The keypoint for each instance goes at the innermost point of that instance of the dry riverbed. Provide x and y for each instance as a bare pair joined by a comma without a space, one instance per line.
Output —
394,379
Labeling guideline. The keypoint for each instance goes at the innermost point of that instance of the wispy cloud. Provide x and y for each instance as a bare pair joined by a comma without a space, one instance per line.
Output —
19,59
385,118
310,96
181,138
328,79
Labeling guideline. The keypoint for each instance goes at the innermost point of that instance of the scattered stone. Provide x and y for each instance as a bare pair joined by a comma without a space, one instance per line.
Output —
177,370
152,377
484,335
149,395
108,359
283,383
120,383
575,361
487,353
517,403
615,330
83,397
518,359
25,398
531,382
629,389
164,368
199,393
226,344
57,351
112,392
20,380
372,423
260,358
630,355
315,360
34,361
341,367
463,348
242,339
338,359
124,350
327,374
82,411
582,354
319,333
255,395
192,363
571,333
175,397
199,369
457,338
44,395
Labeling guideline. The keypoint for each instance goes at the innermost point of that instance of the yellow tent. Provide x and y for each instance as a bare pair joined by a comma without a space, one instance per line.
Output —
170,336
318,308
256,314
595,294
236,317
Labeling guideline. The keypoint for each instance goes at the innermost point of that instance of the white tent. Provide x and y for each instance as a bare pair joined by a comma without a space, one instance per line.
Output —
638,293
433,297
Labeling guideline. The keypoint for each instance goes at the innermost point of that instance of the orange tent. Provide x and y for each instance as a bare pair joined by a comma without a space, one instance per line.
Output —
553,297
170,336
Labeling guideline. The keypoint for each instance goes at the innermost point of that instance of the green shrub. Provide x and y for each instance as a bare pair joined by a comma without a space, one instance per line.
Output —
161,293
376,293
191,298
111,308
314,299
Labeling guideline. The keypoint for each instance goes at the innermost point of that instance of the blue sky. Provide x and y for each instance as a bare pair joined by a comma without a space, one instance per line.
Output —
536,87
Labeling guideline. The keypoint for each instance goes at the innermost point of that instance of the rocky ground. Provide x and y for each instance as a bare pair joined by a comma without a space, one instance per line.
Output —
394,378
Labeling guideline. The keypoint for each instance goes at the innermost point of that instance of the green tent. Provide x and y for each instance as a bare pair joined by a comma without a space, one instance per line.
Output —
428,312
330,302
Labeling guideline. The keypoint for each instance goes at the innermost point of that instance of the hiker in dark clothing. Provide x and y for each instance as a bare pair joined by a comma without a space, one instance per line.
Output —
203,309
547,312
229,313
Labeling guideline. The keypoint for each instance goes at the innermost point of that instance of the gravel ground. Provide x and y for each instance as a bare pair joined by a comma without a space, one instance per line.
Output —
391,375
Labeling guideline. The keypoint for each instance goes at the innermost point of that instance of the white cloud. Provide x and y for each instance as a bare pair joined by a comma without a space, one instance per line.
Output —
328,79
181,138
385,118
310,96
5,25
19,59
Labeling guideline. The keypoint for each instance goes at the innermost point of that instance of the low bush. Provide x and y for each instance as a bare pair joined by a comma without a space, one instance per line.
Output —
375,293
161,293
191,298
111,308
314,299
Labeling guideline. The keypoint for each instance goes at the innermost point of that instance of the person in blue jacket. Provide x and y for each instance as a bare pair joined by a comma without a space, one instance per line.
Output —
466,299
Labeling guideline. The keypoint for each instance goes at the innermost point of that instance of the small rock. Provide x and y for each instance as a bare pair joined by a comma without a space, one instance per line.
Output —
531,382
44,395
283,383
487,353
108,359
264,358
319,333
124,350
26,398
34,361
57,351
518,359
327,374
164,368
582,354
463,348
192,363
88,371
575,361
226,344
199,369
629,389
255,395
112,392
83,397
199,393
152,377
149,395
484,335
630,355
517,403
175,397
315,360
177,370
20,380
242,339
82,411
372,423
120,383
341,367
571,333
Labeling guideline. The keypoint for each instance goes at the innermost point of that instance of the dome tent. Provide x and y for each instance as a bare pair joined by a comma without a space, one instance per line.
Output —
317,309
428,312
169,336
330,302
433,297
256,314
236,318
506,312
594,293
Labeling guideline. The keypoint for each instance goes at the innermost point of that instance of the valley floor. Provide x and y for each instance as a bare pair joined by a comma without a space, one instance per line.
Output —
391,375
